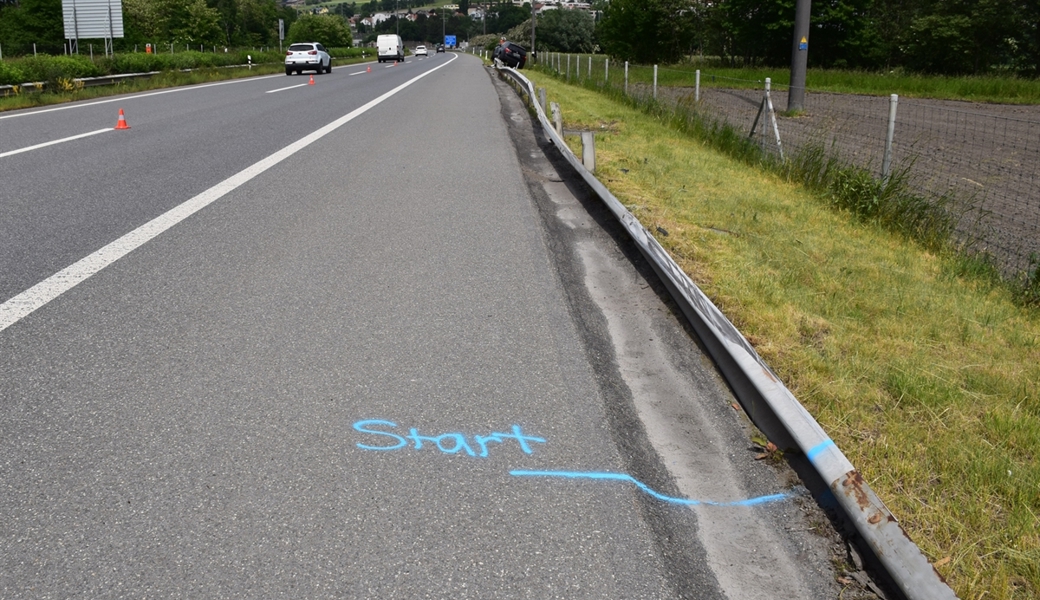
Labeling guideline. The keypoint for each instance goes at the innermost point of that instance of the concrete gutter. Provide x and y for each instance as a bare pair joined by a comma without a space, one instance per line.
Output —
766,400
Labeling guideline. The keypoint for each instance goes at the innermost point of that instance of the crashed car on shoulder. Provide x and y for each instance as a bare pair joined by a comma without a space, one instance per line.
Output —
511,55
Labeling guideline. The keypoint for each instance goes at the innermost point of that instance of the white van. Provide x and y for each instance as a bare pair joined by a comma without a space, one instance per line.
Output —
390,47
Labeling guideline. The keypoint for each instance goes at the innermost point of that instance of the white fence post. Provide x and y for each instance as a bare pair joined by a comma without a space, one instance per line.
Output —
886,163
655,82
697,87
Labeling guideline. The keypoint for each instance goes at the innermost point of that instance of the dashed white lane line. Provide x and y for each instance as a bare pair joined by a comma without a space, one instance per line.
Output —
286,88
22,305
45,144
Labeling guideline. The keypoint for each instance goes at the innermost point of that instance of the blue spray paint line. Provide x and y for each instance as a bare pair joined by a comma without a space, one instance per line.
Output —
648,490
817,449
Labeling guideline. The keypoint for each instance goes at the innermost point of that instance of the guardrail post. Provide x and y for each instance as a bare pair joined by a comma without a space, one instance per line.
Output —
557,118
697,87
588,151
541,98
886,163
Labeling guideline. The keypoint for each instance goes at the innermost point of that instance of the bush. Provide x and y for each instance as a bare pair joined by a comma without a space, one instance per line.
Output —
11,74
50,69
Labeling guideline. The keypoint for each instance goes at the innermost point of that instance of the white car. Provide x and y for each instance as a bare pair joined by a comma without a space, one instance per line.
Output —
307,56
421,51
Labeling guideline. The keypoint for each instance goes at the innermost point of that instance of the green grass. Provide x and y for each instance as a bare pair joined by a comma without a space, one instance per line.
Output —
924,369
998,89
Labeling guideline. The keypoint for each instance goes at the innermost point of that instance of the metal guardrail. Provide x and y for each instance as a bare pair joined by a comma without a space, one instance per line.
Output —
766,400
86,81
103,80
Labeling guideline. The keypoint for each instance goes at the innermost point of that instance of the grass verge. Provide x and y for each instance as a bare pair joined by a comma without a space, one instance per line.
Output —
926,373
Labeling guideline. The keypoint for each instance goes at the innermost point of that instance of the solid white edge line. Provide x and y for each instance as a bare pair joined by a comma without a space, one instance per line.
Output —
45,144
286,88
23,304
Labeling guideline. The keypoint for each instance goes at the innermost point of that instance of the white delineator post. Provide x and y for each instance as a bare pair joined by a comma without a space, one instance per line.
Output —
886,163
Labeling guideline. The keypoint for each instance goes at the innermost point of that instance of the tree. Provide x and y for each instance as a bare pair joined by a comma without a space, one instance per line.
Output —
195,23
960,36
561,30
1027,40
755,31
503,18
258,22
647,31
845,35
33,22
330,30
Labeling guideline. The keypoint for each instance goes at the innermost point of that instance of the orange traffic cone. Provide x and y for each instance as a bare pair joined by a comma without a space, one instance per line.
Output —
121,124
395,63
368,70
311,82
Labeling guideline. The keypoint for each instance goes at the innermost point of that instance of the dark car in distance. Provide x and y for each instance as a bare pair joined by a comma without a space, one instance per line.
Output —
440,47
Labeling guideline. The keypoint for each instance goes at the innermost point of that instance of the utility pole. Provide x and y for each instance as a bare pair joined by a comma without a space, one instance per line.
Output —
799,55
534,55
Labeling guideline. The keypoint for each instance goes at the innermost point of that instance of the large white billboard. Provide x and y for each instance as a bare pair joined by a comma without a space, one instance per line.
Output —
93,19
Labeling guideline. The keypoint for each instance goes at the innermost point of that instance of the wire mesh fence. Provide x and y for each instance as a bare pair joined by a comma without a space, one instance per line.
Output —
983,160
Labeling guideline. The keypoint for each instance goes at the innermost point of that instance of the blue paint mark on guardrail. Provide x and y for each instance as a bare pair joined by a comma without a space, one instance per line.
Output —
818,448
448,443
648,490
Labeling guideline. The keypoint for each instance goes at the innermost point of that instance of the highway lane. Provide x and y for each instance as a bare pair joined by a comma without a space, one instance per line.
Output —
60,202
291,390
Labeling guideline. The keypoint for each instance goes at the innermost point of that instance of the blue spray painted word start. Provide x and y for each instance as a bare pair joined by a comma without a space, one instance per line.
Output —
448,443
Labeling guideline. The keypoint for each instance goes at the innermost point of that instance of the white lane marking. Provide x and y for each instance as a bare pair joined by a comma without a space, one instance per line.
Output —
146,95
68,139
358,73
20,306
286,88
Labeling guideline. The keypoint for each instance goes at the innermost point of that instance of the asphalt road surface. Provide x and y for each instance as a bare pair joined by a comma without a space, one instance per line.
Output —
355,339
